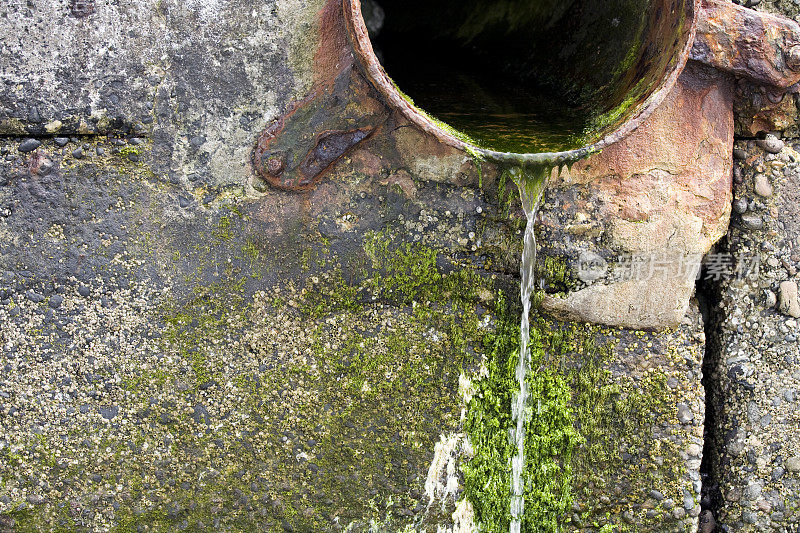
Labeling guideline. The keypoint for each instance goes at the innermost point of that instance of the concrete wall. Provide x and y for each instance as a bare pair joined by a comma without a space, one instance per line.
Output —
183,347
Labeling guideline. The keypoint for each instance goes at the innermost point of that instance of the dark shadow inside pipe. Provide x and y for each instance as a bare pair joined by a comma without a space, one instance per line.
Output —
531,76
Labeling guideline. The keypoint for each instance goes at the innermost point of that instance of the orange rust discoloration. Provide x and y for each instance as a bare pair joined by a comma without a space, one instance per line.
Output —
299,147
333,54
677,164
759,46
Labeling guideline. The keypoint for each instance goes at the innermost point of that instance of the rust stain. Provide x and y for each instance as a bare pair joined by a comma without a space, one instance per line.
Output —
296,150
333,54
759,46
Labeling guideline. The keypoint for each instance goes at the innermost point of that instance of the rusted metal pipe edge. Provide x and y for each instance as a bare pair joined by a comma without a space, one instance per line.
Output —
758,46
375,73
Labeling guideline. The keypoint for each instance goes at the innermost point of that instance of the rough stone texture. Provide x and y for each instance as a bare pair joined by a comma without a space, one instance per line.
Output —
752,371
181,349
206,365
201,77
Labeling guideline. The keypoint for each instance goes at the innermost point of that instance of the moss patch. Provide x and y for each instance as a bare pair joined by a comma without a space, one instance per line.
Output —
589,432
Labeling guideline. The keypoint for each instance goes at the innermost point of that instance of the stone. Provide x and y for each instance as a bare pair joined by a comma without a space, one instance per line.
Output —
84,291
762,186
110,412
34,297
770,299
77,153
753,491
740,206
200,414
753,221
793,464
770,144
55,301
789,301
685,415
61,141
29,145
707,522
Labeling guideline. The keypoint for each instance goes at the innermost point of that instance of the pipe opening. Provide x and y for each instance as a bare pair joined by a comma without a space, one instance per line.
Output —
532,76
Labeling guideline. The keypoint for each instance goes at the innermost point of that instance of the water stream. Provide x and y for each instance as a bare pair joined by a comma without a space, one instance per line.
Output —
531,182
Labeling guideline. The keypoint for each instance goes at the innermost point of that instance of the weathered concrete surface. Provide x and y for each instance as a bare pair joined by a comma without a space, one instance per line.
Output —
201,77
188,353
219,362
185,352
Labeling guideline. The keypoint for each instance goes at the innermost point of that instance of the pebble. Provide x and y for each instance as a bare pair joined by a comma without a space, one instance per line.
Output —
770,144
100,151
35,297
789,303
61,141
109,413
77,153
45,167
777,473
707,522
55,301
688,503
771,299
183,201
762,186
740,206
29,145
685,415
793,464
753,491
752,221
84,291
739,154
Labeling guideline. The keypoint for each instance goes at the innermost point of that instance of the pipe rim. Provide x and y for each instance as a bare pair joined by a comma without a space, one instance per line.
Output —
376,74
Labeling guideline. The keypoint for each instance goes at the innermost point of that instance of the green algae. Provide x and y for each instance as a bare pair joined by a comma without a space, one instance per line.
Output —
582,416
551,438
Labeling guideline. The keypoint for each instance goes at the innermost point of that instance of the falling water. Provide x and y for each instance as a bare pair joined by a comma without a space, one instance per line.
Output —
531,183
